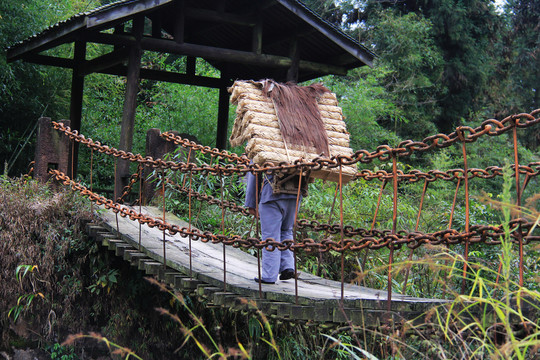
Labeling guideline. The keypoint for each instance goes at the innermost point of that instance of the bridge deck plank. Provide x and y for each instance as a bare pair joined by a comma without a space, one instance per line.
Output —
207,266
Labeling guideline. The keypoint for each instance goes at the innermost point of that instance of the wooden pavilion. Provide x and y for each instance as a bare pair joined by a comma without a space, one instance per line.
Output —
243,39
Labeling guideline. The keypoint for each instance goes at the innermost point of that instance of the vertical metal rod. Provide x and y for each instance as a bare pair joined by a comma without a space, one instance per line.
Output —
415,229
378,204
140,203
454,204
342,244
204,189
525,183
189,225
294,235
523,187
257,230
466,174
364,260
187,163
91,170
163,191
222,231
115,195
91,176
450,227
319,258
394,228
518,203
72,158
426,183
115,178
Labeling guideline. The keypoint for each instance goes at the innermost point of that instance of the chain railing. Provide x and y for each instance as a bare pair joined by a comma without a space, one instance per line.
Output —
371,239
339,238
465,134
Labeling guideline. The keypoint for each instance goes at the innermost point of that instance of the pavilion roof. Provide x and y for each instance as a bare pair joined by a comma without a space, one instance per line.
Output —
247,39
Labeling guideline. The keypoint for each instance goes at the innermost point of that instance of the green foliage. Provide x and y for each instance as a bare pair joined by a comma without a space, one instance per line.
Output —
30,91
365,101
412,65
104,281
59,352
24,301
347,350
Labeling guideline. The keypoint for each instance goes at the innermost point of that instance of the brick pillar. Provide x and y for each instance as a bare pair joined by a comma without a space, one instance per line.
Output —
156,147
52,150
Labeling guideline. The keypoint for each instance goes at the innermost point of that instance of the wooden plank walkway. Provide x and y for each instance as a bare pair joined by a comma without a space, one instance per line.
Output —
318,298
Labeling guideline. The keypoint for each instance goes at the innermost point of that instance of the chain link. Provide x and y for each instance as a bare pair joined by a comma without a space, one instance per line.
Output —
127,189
489,127
412,176
232,206
370,239
221,154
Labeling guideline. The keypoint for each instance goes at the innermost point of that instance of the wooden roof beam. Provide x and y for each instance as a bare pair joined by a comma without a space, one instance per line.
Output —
120,70
311,19
213,53
124,11
220,17
50,61
167,76
54,37
106,61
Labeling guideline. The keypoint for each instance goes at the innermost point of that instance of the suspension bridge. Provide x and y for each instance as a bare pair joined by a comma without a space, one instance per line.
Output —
214,267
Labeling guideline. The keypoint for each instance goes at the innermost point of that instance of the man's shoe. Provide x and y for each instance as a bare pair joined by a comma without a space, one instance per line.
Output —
263,282
286,274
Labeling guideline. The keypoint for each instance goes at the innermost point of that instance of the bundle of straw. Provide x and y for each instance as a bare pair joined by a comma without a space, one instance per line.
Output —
257,123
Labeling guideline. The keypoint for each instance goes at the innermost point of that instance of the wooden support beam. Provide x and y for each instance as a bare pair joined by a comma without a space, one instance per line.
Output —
345,43
128,9
119,30
180,24
292,73
160,75
130,105
119,70
223,116
191,65
157,25
50,39
50,61
257,33
219,17
213,53
77,89
106,61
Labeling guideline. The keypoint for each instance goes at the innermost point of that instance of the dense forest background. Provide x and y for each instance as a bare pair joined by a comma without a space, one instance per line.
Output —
441,63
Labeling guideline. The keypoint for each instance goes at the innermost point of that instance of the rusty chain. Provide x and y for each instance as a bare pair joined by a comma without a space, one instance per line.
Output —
232,206
370,239
223,154
30,169
127,189
489,127
531,170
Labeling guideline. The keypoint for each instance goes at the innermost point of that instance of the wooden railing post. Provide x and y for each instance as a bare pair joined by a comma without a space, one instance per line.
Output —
52,150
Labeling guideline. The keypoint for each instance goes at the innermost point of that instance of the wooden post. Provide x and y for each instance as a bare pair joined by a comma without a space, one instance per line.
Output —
77,88
52,150
179,25
257,32
130,104
156,26
292,73
191,65
223,113
156,148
